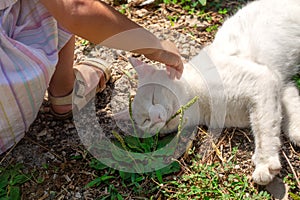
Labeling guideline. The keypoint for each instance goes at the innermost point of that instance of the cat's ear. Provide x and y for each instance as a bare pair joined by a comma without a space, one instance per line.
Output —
122,115
142,69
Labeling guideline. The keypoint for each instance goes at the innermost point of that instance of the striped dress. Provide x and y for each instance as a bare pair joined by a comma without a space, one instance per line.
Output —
30,40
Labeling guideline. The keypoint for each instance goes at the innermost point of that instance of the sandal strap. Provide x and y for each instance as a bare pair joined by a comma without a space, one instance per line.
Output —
60,101
100,64
84,92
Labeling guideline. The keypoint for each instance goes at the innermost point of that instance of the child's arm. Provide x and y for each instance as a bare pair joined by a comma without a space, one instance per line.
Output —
100,23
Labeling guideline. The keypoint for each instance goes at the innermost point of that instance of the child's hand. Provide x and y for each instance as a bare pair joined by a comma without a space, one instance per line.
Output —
169,55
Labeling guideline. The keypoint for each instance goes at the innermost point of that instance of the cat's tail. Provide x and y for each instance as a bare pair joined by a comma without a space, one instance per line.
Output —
291,113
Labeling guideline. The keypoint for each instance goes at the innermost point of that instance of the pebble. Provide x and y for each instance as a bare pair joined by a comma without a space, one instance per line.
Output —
142,12
42,133
237,167
78,195
50,155
53,123
54,176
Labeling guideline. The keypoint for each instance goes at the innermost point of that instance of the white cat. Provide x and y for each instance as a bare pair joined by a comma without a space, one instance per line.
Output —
255,54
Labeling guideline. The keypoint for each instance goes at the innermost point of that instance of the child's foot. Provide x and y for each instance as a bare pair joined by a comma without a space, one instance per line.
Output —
91,73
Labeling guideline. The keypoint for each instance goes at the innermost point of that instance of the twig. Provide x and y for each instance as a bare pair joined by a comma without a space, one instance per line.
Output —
294,173
230,138
245,135
8,153
34,142
293,150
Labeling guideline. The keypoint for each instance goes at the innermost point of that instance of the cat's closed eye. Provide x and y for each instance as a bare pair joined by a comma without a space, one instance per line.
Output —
146,121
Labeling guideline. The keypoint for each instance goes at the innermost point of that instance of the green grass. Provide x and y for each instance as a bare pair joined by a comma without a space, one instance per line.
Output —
212,181
187,4
294,190
11,179
199,181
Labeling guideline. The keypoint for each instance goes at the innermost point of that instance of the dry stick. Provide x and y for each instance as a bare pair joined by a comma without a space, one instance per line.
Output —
293,150
64,190
34,142
215,149
8,153
245,135
294,173
230,138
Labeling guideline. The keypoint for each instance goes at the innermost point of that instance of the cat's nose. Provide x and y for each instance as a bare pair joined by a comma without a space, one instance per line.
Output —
156,118
157,113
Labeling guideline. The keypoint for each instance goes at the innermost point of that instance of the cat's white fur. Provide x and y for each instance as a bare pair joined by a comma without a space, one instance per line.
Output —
256,52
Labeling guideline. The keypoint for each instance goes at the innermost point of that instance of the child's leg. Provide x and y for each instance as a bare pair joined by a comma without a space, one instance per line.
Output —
62,82
63,78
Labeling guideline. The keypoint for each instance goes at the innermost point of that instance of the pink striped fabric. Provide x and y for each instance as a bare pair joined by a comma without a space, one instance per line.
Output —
30,40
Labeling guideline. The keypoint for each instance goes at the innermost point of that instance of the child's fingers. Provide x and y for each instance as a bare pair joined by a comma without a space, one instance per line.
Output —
171,72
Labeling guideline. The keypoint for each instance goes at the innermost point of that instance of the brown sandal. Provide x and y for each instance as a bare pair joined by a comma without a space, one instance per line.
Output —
86,82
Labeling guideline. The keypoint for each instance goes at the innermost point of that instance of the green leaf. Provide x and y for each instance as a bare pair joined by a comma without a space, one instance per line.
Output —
77,157
133,143
171,168
19,179
14,193
4,180
294,196
150,142
119,196
146,147
96,164
125,175
99,180
164,141
2,193
202,2
159,176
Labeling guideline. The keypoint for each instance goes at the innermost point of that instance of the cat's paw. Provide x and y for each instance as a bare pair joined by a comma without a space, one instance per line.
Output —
264,174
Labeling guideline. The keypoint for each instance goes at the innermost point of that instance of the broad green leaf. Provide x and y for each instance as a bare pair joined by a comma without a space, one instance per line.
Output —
159,176
2,193
14,193
96,164
4,180
294,196
202,2
119,196
125,175
19,179
133,143
171,168
99,180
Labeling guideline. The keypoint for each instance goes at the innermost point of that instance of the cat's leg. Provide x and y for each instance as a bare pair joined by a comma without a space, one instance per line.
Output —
265,118
291,113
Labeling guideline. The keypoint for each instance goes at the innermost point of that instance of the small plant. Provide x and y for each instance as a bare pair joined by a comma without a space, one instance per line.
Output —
123,9
290,180
173,19
223,11
10,180
139,145
212,28
188,5
211,181
134,181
